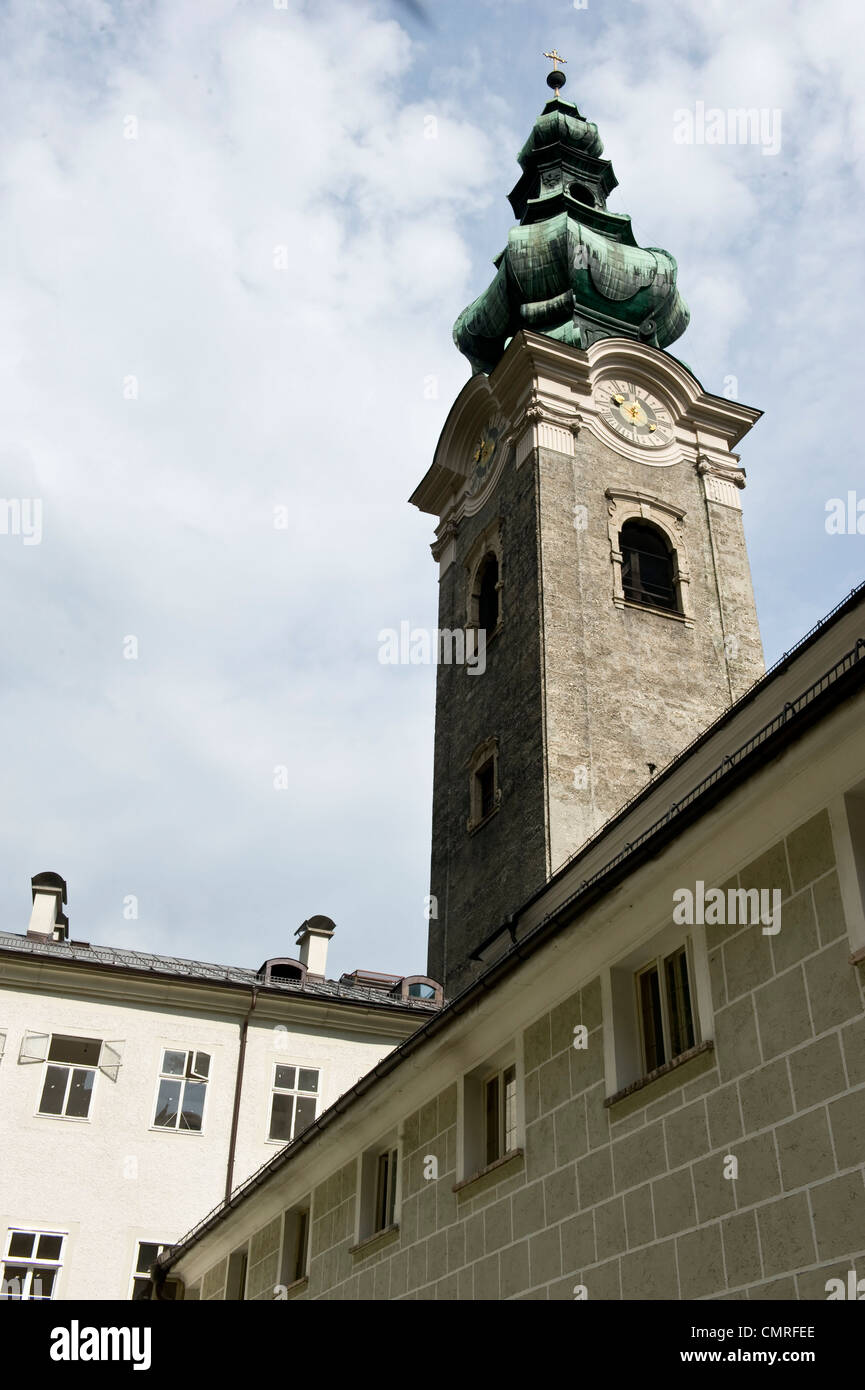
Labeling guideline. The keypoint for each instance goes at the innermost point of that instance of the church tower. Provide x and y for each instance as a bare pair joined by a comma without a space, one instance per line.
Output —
589,542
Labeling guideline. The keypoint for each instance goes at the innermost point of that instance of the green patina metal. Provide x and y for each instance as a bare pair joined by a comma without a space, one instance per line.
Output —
571,269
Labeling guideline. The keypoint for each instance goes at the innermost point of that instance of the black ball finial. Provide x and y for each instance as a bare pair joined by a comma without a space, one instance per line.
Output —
556,79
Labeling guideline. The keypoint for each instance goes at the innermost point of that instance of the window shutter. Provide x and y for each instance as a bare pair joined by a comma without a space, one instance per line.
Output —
110,1059
34,1047
200,1065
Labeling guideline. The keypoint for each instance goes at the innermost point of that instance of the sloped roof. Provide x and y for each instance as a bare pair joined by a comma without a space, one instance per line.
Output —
121,958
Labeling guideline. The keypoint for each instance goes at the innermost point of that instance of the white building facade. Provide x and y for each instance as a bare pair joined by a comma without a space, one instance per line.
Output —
136,1090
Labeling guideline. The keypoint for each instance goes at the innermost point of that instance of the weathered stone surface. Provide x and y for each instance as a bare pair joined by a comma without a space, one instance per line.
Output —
741,1248
810,850
805,1149
785,1234
817,1071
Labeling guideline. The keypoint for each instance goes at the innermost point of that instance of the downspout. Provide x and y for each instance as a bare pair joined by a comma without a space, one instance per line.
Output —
238,1084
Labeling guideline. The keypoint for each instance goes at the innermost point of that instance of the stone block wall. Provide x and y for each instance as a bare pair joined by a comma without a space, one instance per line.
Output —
630,1201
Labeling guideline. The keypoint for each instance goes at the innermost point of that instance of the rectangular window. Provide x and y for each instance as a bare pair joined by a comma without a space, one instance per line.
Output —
679,999
385,1190
665,1011
235,1286
69,1076
651,1018
32,1265
294,1101
182,1090
500,1110
148,1252
295,1245
486,777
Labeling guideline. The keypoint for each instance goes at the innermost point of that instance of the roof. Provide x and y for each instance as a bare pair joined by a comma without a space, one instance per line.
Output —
174,967
844,677
572,269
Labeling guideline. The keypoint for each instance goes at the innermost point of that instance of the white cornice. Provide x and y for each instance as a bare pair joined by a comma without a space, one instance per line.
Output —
126,990
550,387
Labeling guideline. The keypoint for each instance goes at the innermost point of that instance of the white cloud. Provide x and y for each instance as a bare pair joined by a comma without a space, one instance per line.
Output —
153,258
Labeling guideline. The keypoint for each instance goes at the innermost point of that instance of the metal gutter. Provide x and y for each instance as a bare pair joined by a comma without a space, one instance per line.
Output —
397,1006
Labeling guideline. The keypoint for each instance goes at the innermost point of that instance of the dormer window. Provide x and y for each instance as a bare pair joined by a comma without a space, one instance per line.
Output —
419,987
421,990
282,968
286,972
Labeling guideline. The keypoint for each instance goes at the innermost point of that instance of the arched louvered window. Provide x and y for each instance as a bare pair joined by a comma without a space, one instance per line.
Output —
647,566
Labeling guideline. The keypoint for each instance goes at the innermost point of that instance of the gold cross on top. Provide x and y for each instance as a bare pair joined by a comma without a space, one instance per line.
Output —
555,58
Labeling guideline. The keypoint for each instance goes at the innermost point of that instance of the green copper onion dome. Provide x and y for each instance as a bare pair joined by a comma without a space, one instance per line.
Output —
571,269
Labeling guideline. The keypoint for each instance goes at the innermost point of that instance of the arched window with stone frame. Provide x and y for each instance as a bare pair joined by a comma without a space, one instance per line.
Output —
648,555
484,587
648,565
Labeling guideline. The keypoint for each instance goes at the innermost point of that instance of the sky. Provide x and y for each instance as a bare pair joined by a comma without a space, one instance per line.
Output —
235,238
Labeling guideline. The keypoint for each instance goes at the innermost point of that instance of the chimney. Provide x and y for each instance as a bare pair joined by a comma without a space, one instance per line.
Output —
48,921
313,938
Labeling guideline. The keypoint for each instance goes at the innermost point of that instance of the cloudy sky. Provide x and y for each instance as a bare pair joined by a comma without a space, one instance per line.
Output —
231,262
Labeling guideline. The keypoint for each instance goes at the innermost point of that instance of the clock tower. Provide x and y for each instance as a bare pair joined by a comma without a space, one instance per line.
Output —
589,544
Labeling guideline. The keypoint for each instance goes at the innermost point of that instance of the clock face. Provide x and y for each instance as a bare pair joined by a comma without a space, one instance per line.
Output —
482,457
635,414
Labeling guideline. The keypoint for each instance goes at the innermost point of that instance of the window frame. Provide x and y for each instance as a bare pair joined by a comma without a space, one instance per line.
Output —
237,1274
384,1197
625,1066
489,543
284,1090
161,1247
659,964
32,1263
669,520
295,1244
501,1079
390,1146
71,1068
645,599
485,753
187,1076
472,1108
